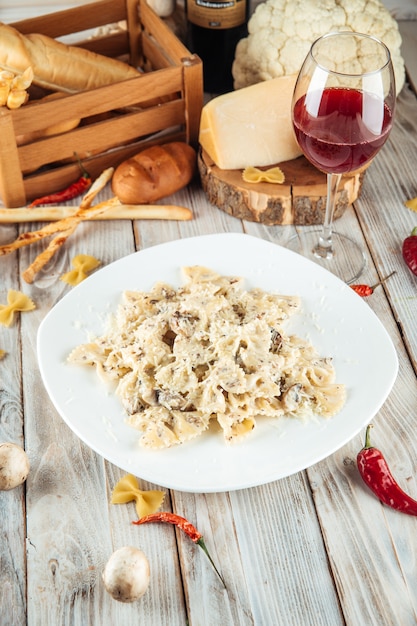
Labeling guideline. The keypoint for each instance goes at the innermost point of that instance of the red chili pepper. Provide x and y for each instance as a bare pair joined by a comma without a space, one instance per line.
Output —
74,190
186,526
375,472
409,250
366,290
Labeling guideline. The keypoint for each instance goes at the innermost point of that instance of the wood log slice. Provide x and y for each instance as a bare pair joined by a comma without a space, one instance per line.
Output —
300,200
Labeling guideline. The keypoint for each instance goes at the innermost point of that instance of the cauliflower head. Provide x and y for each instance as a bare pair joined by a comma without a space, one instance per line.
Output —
282,31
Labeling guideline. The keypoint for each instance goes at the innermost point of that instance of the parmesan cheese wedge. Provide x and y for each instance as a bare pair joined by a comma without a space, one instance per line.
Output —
250,126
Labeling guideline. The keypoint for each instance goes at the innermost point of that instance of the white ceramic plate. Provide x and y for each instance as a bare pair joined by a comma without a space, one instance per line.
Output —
333,317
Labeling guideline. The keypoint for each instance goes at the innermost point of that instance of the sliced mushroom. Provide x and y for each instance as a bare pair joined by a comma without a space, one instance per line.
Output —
171,400
276,341
291,397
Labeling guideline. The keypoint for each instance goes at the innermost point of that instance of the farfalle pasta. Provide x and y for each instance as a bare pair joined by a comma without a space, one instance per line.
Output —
209,351
83,264
146,502
256,175
16,302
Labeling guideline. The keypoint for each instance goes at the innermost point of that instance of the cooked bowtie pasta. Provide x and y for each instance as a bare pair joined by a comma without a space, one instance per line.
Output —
209,350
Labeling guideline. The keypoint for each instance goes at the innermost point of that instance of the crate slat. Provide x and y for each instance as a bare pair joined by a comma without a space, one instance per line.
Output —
11,181
75,20
112,98
104,136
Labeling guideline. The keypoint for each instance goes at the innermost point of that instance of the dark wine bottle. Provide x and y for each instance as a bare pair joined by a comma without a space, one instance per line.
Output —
213,29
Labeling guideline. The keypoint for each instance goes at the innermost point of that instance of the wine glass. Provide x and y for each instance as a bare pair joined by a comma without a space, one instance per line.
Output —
342,112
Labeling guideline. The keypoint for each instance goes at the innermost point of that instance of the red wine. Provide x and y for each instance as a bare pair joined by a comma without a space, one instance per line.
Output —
213,29
346,131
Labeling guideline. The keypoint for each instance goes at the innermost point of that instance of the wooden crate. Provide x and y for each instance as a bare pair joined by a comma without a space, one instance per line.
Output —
116,120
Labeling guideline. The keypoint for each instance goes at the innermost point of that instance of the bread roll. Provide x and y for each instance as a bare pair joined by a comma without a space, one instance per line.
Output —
57,66
154,173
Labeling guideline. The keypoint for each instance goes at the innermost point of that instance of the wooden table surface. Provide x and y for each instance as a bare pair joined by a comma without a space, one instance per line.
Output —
316,548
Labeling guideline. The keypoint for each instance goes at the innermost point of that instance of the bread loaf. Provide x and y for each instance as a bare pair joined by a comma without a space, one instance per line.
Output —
57,66
154,173
53,129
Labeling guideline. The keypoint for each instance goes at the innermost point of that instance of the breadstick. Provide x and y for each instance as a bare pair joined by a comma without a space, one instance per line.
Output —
47,254
96,187
25,239
81,214
57,242
122,212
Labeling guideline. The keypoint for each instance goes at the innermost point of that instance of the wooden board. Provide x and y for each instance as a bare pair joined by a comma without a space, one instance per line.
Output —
301,199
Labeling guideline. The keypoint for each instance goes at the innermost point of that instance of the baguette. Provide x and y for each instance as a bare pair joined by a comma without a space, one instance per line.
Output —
58,241
57,66
83,213
154,173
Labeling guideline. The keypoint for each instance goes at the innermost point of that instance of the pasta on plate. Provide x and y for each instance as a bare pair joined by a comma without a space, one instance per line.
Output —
209,351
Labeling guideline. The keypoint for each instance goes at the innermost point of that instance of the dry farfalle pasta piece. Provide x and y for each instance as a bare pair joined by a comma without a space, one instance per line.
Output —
83,264
127,490
255,175
411,204
2,354
13,88
16,302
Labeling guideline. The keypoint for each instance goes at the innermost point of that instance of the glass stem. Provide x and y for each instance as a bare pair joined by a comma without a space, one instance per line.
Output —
324,248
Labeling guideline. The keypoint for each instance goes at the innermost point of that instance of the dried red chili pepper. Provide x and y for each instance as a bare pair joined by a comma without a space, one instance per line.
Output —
182,524
74,190
375,472
366,290
363,290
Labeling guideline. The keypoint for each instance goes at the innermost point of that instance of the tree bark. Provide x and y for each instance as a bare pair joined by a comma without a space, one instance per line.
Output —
300,200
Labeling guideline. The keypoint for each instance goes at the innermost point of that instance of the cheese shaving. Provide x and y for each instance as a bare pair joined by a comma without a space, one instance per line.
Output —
16,302
13,88
127,490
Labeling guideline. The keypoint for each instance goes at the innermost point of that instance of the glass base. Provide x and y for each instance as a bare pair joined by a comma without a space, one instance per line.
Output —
345,258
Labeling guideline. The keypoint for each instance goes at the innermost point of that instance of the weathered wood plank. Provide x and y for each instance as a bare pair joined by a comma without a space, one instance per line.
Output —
374,574
12,503
71,531
267,568
392,181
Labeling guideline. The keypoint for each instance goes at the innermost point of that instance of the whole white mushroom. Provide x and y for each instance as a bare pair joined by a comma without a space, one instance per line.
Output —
126,574
14,466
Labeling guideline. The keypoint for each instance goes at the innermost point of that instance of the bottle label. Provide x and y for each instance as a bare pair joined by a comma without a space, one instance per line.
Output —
216,14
